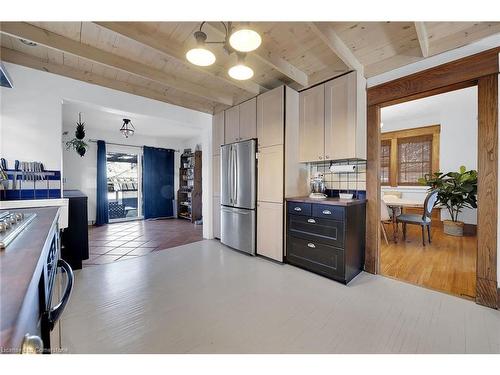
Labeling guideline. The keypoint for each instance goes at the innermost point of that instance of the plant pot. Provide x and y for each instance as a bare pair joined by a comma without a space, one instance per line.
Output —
453,228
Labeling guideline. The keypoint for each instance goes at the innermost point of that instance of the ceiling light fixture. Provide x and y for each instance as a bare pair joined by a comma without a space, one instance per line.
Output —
200,55
245,40
240,42
127,128
241,71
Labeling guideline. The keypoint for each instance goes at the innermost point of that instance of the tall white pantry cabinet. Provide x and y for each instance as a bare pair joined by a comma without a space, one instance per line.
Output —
279,173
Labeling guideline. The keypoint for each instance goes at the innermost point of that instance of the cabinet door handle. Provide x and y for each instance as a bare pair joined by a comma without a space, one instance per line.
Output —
311,245
327,157
327,212
298,209
321,158
311,221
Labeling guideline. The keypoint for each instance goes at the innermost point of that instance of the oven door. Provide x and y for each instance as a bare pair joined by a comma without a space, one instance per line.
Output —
60,295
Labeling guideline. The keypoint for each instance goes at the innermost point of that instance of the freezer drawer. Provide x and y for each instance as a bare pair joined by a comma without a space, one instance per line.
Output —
238,229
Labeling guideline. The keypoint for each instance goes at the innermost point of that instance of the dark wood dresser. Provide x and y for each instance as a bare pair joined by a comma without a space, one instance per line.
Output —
75,238
326,237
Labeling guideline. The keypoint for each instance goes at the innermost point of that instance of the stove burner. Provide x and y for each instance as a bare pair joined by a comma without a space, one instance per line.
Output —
11,224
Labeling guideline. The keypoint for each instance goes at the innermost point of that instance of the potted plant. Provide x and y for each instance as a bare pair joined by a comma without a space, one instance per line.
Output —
456,190
77,143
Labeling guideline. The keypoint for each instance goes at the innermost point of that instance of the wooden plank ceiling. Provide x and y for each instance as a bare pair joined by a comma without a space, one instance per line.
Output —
147,58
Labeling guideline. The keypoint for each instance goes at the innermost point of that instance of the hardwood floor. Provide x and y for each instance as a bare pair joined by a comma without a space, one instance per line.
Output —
448,264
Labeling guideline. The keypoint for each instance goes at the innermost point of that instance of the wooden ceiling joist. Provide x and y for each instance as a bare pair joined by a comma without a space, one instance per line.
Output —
66,45
271,59
423,38
133,30
328,35
19,58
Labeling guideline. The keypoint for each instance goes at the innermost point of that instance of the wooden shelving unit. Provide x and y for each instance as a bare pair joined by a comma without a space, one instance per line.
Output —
189,194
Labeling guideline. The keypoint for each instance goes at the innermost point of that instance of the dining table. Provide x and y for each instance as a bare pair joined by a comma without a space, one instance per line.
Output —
394,203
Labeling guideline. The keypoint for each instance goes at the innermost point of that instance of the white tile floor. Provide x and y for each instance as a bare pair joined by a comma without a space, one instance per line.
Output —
206,298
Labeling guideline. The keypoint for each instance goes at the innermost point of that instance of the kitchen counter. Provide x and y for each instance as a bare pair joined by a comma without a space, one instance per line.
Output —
21,266
35,203
330,201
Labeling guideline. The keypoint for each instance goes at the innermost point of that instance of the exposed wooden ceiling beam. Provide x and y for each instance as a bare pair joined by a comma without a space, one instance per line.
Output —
423,38
328,35
66,45
273,60
19,58
133,30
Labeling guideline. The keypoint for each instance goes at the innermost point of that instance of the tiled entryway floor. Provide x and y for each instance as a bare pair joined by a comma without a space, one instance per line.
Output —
120,241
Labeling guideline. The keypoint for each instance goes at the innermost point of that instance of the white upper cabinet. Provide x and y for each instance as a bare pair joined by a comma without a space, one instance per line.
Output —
270,117
328,128
217,132
248,120
241,122
312,124
340,118
232,124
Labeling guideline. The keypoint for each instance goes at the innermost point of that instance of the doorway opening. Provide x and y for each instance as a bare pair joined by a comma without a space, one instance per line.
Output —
436,134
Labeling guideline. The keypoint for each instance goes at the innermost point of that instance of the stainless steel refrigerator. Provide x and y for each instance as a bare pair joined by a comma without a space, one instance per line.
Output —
238,195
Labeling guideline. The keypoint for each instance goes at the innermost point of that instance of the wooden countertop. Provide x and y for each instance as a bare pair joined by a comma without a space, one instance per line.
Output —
21,265
330,201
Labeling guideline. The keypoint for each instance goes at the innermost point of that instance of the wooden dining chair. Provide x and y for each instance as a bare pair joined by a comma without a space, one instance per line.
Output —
385,218
424,221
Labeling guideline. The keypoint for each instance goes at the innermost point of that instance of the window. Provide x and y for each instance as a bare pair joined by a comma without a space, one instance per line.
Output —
407,155
385,162
414,159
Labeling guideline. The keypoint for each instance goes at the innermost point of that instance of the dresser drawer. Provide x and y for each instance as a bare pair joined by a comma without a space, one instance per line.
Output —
324,230
316,257
328,211
299,208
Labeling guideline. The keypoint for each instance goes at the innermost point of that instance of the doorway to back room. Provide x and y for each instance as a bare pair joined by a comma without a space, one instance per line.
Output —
428,177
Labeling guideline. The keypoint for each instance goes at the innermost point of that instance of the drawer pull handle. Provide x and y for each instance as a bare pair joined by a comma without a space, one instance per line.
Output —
311,221
311,245
298,209
327,212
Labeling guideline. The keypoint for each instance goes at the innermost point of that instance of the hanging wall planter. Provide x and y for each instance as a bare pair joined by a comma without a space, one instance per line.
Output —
77,143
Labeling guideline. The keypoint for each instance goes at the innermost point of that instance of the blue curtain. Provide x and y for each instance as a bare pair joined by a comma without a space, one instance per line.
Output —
102,216
158,182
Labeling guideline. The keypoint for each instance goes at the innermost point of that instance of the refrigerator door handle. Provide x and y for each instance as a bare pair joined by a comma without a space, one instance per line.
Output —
235,175
229,174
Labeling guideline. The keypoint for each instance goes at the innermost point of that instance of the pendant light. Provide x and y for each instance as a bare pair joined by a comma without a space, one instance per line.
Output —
241,71
240,42
245,40
127,128
200,55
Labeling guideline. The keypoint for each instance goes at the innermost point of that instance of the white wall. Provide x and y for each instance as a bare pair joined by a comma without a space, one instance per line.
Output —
31,117
456,112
